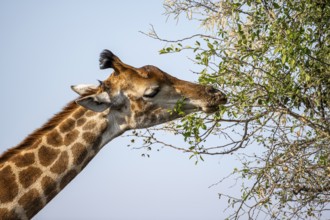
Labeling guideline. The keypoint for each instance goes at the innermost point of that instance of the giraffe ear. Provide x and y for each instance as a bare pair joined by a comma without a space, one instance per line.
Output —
83,89
97,103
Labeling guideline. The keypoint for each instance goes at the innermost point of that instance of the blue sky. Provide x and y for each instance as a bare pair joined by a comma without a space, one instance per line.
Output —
47,46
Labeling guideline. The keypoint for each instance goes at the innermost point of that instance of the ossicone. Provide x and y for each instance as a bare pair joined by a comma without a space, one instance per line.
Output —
109,60
106,59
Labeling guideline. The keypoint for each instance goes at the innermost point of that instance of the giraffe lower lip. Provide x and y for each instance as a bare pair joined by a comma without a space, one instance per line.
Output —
209,109
190,110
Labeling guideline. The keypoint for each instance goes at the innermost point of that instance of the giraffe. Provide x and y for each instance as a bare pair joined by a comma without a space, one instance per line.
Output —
37,169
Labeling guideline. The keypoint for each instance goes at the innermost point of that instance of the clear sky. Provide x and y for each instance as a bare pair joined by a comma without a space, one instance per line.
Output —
46,46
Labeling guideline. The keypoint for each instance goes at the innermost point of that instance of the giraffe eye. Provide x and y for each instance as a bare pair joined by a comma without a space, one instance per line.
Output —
151,92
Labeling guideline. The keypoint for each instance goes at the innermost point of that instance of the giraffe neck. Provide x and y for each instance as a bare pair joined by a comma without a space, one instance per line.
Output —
35,171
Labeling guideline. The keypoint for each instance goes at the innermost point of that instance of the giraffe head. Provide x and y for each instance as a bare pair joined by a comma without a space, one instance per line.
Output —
143,97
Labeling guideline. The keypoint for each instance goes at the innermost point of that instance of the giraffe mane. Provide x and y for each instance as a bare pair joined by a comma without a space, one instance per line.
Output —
48,126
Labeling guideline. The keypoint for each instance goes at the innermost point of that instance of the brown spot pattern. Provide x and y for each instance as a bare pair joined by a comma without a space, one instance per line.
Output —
28,176
70,137
8,185
89,137
133,106
31,202
49,187
81,121
90,125
61,164
67,178
54,138
47,155
5,214
78,113
103,126
24,160
96,144
90,113
67,125
36,144
79,153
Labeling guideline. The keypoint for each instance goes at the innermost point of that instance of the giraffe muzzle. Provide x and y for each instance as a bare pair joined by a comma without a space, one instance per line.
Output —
216,99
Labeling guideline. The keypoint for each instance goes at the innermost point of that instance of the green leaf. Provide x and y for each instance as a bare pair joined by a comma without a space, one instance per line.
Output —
276,6
209,45
283,58
292,63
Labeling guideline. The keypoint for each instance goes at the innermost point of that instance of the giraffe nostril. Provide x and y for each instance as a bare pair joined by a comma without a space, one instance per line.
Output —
212,90
224,99
218,96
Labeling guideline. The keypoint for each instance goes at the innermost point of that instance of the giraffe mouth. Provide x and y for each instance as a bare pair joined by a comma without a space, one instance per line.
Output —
193,108
209,106
214,104
205,109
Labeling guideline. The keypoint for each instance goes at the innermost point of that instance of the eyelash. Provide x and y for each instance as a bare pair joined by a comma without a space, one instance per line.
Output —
152,94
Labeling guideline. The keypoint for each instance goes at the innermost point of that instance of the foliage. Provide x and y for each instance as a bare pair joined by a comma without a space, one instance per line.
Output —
273,60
